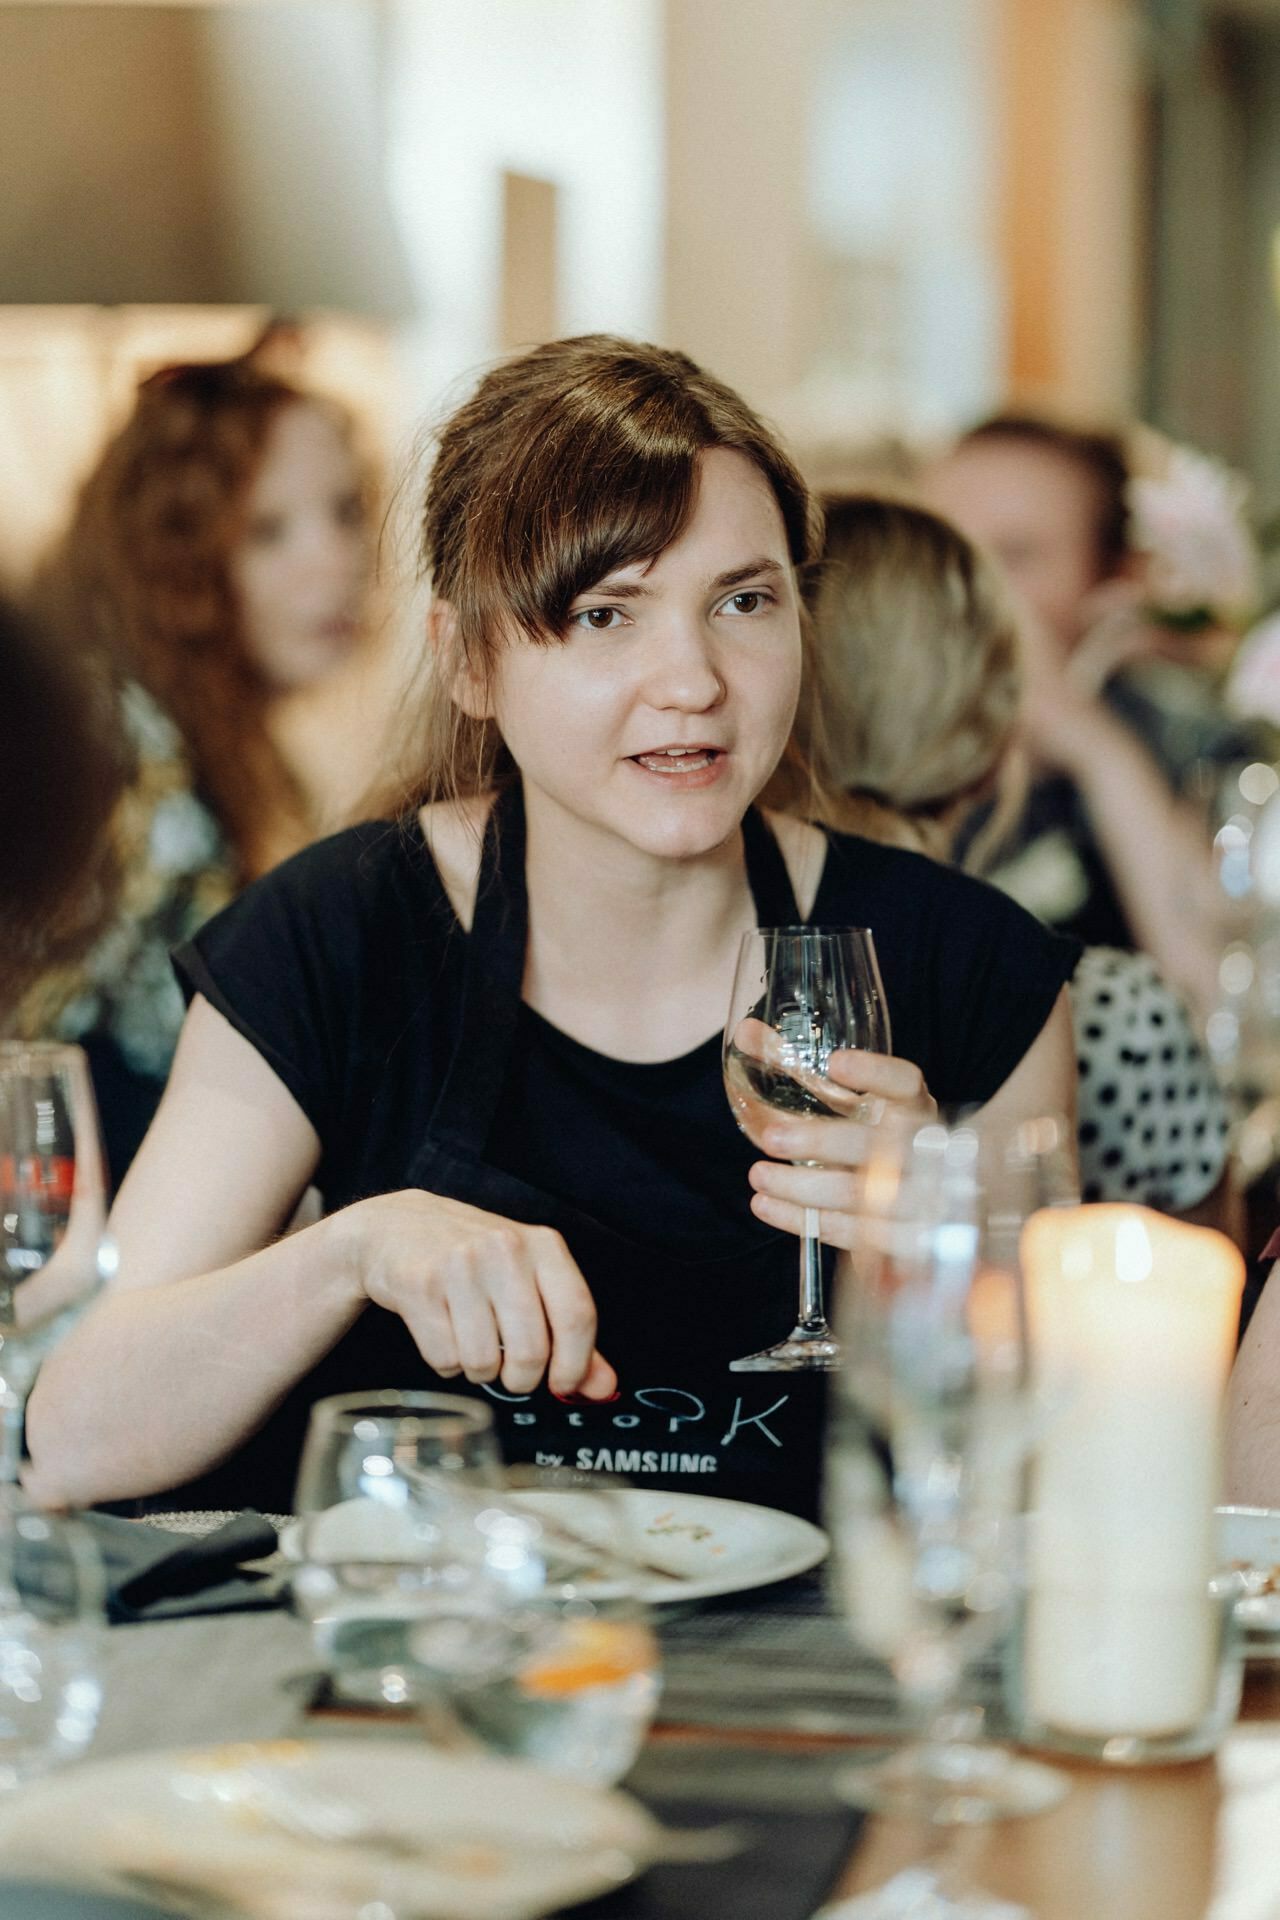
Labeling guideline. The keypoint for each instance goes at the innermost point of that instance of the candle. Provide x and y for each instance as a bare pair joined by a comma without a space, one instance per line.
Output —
1133,1319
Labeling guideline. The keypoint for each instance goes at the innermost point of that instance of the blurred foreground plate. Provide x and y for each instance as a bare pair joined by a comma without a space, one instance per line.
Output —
693,1546
443,1836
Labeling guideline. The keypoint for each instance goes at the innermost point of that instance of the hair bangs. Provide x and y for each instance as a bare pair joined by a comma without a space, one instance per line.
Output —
603,492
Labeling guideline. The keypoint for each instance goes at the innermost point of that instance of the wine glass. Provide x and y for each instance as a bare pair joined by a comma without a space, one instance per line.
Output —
428,1584
799,995
933,1421
54,1250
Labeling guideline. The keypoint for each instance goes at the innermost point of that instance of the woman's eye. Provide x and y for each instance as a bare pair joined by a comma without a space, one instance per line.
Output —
754,600
597,619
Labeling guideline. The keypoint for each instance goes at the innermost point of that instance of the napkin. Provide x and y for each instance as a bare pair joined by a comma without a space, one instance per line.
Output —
788,1867
153,1574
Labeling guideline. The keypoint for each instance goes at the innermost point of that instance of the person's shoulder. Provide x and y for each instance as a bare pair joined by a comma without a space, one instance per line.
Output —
366,857
912,888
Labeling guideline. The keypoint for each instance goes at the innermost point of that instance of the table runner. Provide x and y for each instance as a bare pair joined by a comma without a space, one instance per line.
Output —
781,1659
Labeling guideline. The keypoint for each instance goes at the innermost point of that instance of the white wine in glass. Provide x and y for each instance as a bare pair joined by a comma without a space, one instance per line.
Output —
800,994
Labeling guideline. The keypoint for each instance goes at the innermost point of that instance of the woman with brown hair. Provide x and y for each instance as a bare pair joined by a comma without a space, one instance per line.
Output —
491,1033
218,560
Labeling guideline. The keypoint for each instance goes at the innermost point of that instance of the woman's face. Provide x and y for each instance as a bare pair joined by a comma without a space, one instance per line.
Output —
669,703
1036,511
300,569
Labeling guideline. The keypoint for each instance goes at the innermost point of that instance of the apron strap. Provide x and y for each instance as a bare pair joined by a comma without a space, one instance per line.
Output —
493,974
767,875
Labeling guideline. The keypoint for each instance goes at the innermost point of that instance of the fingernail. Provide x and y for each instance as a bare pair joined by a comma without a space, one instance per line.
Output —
586,1399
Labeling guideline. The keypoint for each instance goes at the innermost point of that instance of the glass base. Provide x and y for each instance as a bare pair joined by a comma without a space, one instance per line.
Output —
958,1785
918,1893
801,1352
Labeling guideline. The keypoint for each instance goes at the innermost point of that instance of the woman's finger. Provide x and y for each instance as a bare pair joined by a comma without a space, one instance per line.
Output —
809,1186
523,1332
832,1143
883,1074
835,1228
475,1330
427,1319
570,1311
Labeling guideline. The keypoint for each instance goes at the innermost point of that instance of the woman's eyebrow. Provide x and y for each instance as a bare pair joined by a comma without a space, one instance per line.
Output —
752,571
639,589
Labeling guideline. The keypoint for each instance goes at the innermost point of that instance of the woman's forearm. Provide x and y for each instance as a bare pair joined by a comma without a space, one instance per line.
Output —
1155,853
158,1383
1252,1476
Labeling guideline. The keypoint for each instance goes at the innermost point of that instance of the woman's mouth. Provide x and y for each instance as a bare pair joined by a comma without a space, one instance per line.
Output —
678,762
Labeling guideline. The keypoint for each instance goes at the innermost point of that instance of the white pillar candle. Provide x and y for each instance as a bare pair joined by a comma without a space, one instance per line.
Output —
1133,1319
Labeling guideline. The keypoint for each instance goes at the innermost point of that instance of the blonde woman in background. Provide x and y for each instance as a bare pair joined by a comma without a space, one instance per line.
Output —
922,653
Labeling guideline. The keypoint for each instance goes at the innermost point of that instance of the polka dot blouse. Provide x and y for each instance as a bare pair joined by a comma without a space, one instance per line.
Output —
1153,1124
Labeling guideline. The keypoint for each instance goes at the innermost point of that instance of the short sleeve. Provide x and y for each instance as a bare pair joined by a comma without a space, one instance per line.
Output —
283,964
970,977
998,976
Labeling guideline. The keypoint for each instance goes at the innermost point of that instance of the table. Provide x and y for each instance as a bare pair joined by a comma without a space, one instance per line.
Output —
1196,1842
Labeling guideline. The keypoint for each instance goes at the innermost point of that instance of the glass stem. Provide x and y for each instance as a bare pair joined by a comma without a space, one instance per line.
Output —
812,1317
13,1408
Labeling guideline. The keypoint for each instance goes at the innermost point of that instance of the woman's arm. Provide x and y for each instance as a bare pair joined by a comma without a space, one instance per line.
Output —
1252,1476
1154,847
212,1321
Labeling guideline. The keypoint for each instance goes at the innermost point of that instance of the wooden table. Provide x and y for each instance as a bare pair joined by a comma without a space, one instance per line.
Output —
1195,1842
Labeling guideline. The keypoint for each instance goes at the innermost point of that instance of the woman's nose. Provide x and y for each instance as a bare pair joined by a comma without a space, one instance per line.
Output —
685,673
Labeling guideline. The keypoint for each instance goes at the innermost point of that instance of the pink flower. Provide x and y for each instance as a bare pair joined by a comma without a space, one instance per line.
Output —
1191,521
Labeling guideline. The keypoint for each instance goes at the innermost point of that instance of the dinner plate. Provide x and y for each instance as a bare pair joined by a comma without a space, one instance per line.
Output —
1249,1539
698,1546
328,1827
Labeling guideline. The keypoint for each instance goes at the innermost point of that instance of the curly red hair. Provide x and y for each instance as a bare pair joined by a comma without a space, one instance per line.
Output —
143,572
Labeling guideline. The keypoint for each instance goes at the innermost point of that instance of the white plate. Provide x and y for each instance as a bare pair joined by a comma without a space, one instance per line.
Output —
500,1841
702,1546
1249,1537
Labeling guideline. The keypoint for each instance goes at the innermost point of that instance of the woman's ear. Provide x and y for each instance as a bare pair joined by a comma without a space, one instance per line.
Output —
468,689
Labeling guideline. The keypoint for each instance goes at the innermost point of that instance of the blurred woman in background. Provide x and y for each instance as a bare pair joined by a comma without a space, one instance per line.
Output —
922,654
1106,847
61,770
218,560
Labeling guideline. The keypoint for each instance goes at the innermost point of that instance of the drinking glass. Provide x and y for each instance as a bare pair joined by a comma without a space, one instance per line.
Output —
52,1593
933,1421
54,1251
799,995
428,1585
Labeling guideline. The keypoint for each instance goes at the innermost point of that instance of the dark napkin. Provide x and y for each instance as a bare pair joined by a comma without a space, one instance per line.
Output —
153,1574
786,1871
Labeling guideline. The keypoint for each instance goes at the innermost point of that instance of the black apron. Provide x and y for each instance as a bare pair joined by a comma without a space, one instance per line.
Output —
668,1323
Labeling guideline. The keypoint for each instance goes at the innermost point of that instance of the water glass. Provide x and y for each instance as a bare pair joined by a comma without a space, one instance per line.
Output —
52,1594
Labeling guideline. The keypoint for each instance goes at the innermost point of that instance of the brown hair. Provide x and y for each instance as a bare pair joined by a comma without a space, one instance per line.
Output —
571,460
1100,457
62,766
922,657
143,572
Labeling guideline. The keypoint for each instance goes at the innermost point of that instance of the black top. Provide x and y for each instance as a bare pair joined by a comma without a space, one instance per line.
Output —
404,1040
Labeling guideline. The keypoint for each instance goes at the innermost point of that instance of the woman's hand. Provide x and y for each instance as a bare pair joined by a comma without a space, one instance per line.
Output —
482,1295
839,1148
